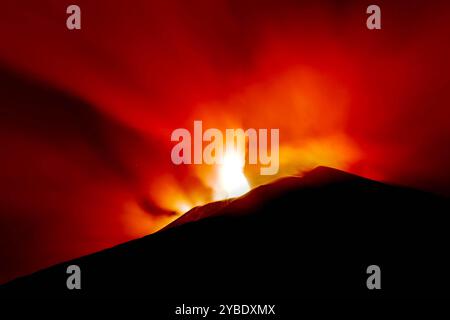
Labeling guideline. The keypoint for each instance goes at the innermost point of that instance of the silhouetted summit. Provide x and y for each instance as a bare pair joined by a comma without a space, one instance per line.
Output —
309,236
317,177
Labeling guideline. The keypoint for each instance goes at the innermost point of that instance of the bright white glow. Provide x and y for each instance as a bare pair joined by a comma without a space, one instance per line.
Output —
183,207
232,181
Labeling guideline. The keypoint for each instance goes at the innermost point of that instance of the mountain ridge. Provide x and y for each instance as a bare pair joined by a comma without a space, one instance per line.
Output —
248,246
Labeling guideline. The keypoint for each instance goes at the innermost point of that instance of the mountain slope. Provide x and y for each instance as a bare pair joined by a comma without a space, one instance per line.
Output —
310,236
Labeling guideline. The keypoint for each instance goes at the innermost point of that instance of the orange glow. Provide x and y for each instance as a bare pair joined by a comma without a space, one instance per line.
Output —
139,223
311,120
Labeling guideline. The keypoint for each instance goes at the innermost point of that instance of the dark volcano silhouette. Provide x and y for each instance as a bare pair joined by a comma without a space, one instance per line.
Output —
310,236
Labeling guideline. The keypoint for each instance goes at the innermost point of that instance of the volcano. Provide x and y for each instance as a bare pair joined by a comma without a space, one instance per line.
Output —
308,236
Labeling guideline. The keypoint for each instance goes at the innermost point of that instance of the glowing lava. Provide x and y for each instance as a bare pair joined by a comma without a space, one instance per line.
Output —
231,181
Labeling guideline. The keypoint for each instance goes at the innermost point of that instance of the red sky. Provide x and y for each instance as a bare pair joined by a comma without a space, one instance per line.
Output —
86,115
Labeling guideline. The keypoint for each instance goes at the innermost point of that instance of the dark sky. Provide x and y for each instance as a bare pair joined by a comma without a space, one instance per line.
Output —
86,116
